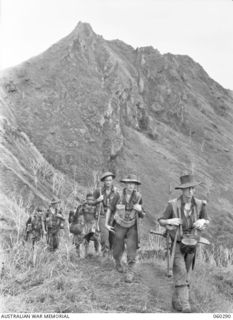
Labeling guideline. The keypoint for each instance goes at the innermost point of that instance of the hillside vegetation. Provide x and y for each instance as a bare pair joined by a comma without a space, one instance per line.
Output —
87,105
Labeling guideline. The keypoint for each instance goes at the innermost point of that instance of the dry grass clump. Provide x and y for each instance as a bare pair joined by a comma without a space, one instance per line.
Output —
42,280
209,293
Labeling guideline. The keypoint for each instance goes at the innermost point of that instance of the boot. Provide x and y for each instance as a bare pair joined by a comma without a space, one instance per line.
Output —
130,274
105,256
119,267
184,296
176,302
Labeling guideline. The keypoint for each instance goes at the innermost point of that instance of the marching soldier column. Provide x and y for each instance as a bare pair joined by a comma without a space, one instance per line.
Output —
110,219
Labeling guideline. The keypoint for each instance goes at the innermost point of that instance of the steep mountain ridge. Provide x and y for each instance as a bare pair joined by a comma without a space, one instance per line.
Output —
89,104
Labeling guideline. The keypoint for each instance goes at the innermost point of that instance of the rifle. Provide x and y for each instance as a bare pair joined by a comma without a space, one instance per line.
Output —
169,274
201,240
170,255
100,205
98,215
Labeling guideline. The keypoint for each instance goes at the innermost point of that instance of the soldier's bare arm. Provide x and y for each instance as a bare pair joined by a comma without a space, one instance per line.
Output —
168,219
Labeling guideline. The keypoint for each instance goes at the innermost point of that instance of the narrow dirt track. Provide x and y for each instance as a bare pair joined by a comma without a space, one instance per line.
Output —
150,292
153,276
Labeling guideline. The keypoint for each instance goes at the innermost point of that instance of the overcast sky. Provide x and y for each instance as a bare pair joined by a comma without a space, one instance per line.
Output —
203,29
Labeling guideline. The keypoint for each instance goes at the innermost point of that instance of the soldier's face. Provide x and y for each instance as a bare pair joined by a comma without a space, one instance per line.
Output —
108,182
188,193
130,186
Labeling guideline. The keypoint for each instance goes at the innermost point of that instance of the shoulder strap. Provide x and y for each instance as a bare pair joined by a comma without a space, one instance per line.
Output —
176,206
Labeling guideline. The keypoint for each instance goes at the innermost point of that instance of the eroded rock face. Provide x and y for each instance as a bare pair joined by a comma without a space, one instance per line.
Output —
89,104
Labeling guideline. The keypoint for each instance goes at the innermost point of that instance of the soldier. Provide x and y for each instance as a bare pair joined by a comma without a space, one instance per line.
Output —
34,226
84,225
72,213
76,223
107,197
53,222
89,212
183,218
125,227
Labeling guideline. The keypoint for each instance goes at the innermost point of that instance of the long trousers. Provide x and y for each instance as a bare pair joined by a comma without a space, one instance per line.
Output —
53,240
128,235
182,267
104,236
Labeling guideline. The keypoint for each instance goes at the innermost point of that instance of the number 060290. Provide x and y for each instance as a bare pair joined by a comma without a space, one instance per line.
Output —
222,315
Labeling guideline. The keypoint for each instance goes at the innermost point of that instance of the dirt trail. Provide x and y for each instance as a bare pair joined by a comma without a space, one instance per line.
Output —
150,292
153,276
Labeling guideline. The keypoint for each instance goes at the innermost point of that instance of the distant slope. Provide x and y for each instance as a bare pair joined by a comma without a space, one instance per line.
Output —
88,104
26,178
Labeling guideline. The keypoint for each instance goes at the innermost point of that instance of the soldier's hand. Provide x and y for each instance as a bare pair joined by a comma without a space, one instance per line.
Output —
45,232
110,228
174,221
101,198
200,224
137,207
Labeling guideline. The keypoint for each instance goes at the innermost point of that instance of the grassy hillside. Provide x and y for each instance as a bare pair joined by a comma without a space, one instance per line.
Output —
88,105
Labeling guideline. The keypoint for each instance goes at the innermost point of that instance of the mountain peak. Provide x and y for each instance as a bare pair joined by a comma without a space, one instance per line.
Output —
83,29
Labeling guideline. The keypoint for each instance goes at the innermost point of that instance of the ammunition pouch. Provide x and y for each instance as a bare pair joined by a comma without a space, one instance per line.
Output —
125,218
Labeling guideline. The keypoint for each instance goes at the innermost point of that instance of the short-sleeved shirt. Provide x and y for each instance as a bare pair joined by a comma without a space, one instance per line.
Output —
189,220
110,200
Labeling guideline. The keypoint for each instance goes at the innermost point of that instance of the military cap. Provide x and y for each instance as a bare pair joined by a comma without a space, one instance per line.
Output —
187,181
107,174
131,178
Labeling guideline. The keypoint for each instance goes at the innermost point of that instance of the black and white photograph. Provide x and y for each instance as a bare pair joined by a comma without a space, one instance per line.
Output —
116,159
